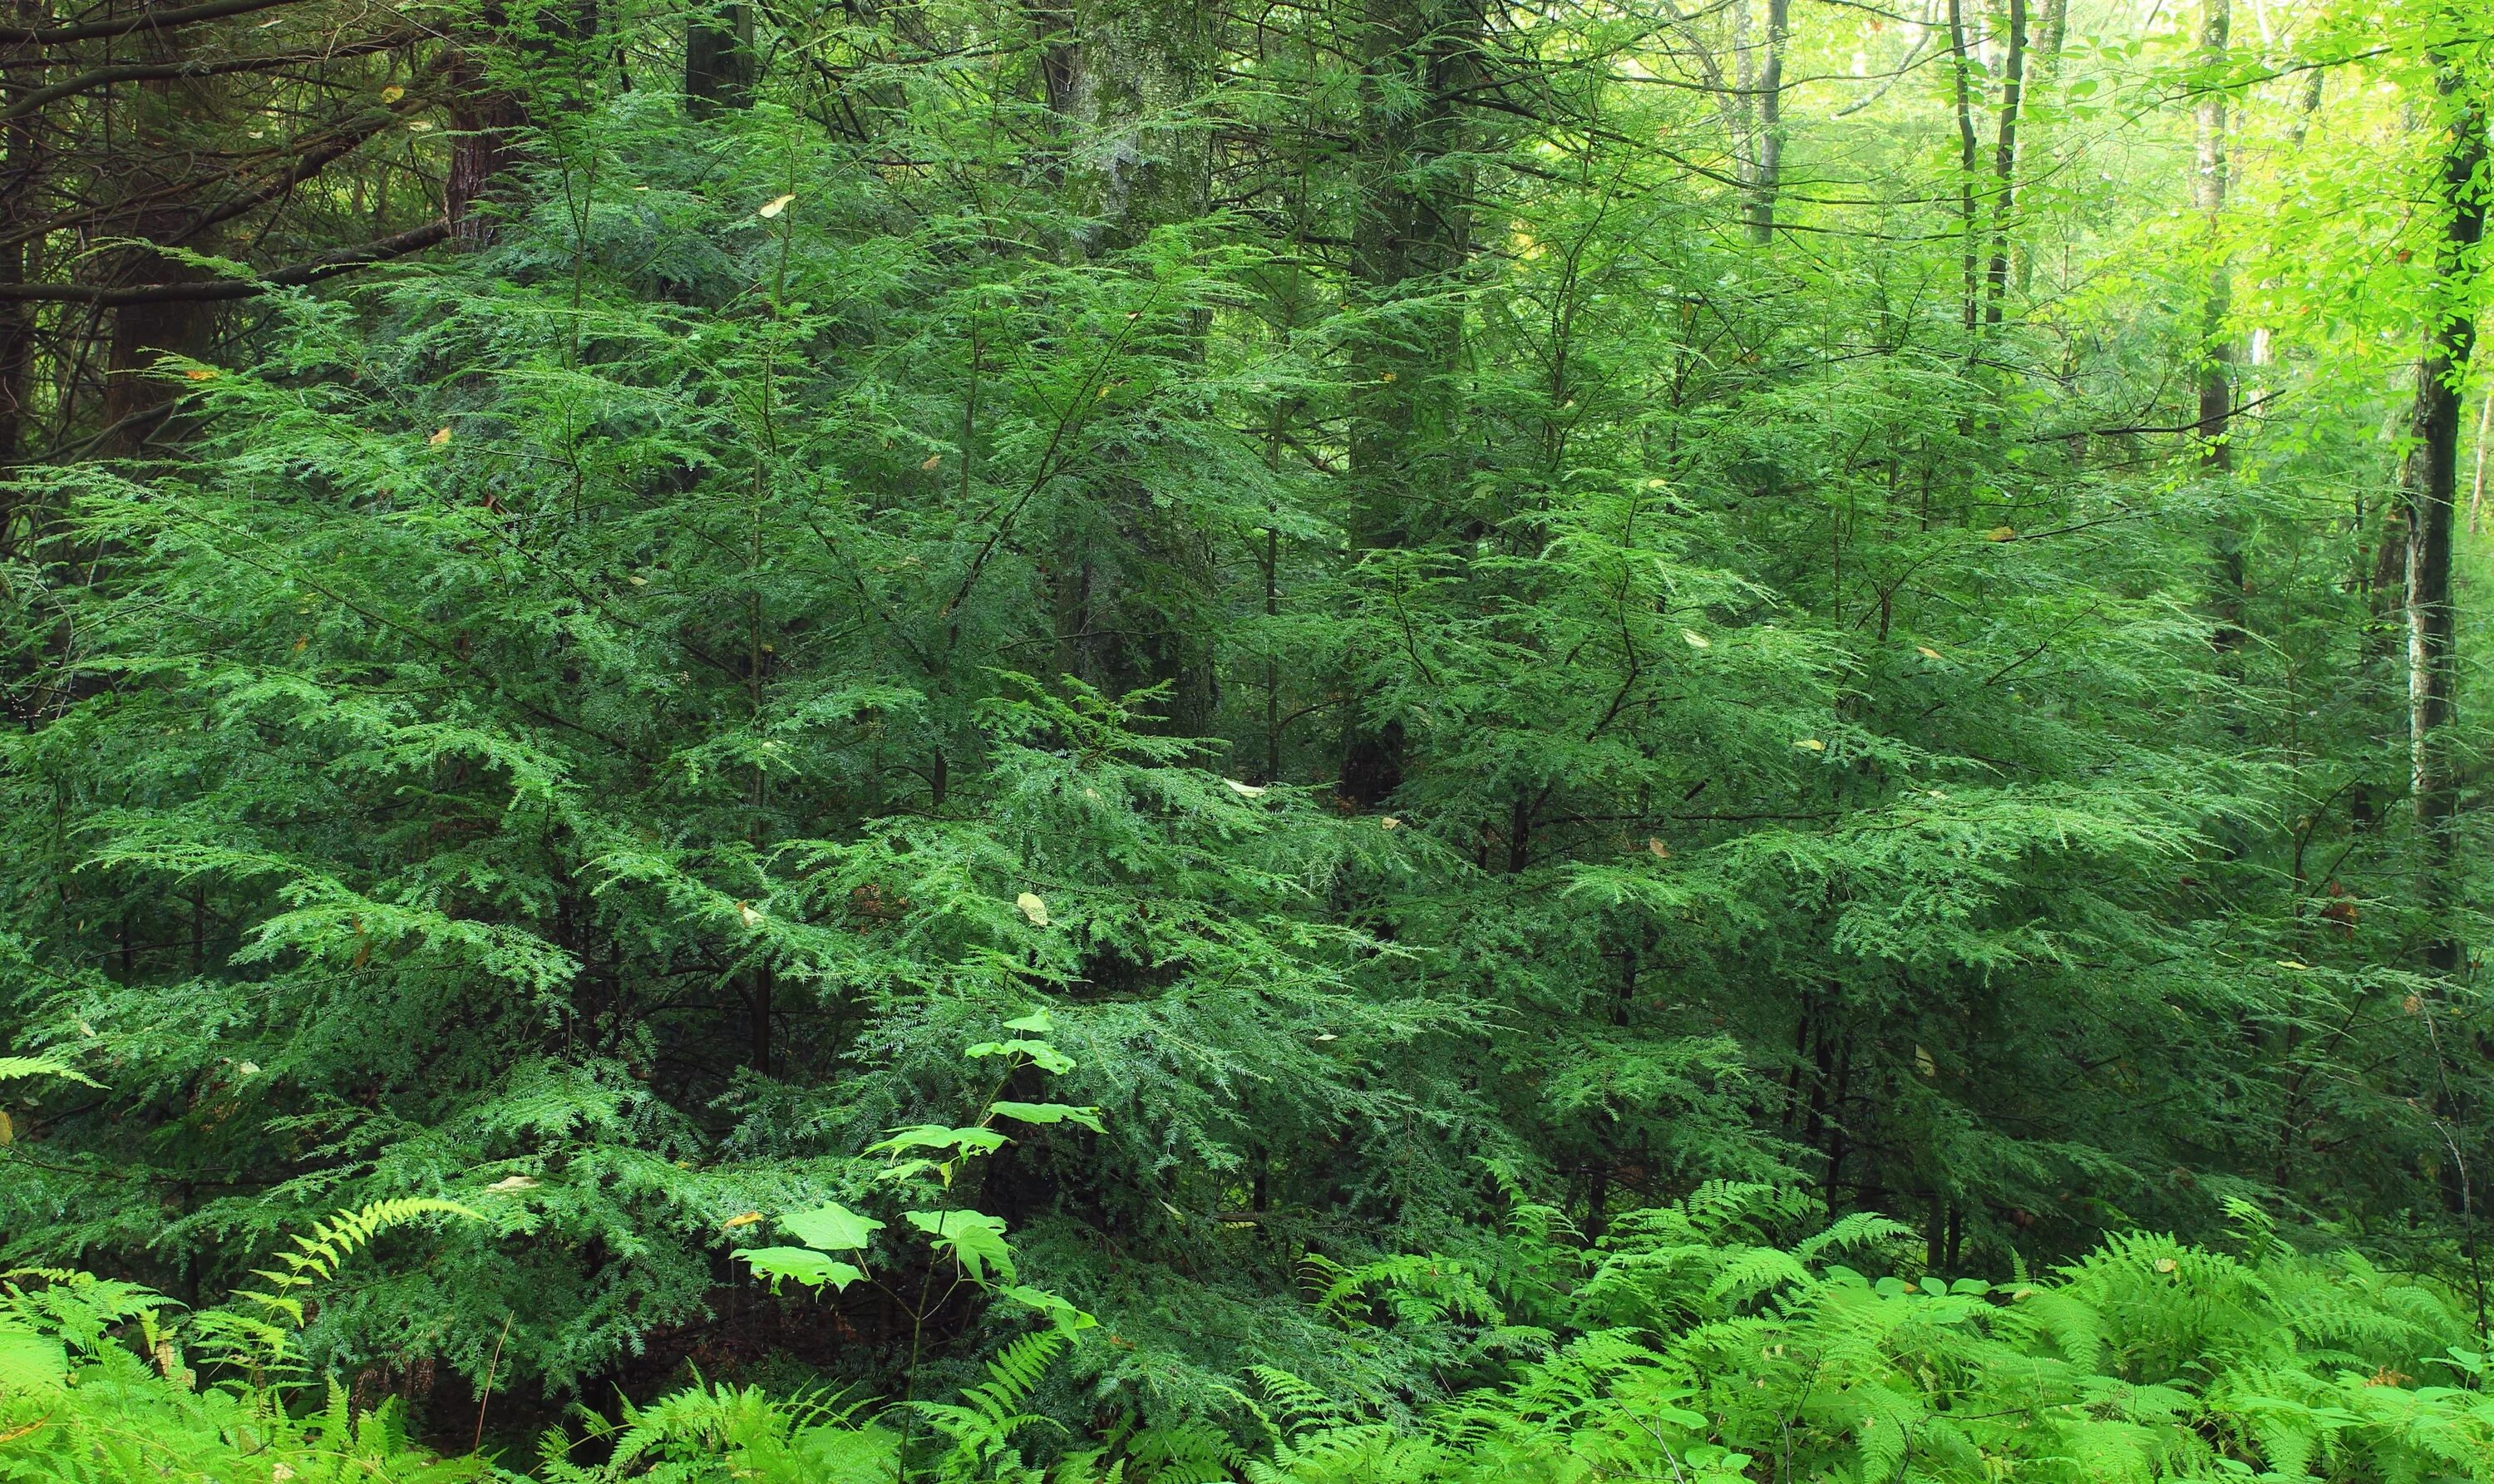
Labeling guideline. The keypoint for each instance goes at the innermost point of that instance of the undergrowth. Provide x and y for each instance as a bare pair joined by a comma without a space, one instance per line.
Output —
1729,1338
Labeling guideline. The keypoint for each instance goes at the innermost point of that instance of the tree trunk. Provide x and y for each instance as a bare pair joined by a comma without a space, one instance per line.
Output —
2005,162
721,65
486,121
1116,73
1961,73
1760,72
489,120
1408,251
2428,486
2216,372
160,187
19,166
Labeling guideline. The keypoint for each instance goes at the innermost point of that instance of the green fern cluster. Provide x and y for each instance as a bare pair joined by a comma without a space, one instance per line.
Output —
1682,1346
96,1386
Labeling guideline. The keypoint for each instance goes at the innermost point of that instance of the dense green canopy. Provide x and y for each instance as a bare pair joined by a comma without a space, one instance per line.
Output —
1473,618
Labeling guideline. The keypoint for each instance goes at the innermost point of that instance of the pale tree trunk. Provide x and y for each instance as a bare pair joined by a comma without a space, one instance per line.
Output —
1961,81
2053,32
2216,375
1760,72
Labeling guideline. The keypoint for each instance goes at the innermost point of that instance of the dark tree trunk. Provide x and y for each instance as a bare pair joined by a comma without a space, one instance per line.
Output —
1115,72
2004,164
487,120
2429,484
720,64
159,185
1408,251
18,170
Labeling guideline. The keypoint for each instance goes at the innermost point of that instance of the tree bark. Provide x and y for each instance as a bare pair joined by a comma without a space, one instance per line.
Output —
489,120
1117,75
2428,488
485,122
720,64
1408,250
2216,372
1962,75
159,190
19,166
1760,76
2004,164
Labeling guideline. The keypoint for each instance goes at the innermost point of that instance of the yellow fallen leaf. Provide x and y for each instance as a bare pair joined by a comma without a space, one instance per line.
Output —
1032,908
393,93
198,374
2001,534
934,462
1924,1063
1389,376
1927,652
440,435
1811,744
2288,963
418,125
1696,640
747,1220
1244,790
2165,1265
1662,852
746,915
512,1183
638,582
1389,822
8,1130
776,206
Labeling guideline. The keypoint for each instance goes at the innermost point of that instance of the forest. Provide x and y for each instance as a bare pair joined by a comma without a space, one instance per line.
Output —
1307,741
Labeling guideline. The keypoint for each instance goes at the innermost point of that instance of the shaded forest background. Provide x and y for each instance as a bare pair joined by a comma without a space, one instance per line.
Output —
1488,607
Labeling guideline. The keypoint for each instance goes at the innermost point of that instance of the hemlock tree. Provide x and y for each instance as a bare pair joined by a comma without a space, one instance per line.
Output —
1490,608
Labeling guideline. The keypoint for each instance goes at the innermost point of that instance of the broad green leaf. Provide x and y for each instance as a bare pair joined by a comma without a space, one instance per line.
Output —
1064,1316
1041,1054
975,1239
1036,1022
934,1136
804,1264
1047,1112
830,1226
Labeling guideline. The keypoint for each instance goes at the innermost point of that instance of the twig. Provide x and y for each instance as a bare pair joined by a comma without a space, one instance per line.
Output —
487,1398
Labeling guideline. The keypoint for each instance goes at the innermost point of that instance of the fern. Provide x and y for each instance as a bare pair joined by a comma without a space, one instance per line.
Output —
17,1068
